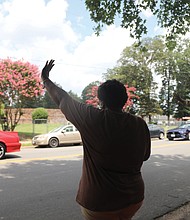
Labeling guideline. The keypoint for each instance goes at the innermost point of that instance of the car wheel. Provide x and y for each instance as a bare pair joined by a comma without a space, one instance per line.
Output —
161,136
53,142
2,150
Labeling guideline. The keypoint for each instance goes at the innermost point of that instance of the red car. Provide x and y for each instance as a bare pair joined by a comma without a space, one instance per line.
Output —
9,142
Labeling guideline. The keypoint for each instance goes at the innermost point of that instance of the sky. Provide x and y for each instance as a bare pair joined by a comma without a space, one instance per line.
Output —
41,30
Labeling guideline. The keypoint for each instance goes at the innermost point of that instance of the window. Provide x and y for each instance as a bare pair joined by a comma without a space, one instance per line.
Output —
69,129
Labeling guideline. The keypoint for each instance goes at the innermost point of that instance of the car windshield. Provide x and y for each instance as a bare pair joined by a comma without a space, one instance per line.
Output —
184,126
149,125
152,126
57,129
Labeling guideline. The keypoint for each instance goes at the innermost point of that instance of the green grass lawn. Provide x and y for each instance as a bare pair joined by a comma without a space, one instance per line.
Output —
27,131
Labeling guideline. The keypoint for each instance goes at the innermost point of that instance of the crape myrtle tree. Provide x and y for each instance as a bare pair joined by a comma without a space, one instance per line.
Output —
19,80
87,93
129,13
92,96
94,101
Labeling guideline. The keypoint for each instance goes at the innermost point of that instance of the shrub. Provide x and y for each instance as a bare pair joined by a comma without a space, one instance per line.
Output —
39,116
3,119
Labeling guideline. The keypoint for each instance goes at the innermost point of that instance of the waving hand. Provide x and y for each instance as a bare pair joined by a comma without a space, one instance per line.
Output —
47,68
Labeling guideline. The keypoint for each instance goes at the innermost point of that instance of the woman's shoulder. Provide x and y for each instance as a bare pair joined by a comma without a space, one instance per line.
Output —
136,118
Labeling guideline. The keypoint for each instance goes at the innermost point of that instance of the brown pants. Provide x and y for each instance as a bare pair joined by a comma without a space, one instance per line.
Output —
122,214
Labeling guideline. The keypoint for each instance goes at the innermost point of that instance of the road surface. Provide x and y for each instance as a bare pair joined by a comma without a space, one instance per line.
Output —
41,183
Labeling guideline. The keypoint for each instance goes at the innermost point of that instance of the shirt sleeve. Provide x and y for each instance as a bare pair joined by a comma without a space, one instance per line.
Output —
76,112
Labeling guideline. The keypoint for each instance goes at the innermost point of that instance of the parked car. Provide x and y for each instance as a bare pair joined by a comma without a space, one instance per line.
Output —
9,142
181,132
156,131
62,135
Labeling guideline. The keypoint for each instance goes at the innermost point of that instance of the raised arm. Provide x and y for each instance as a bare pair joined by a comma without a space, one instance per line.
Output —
57,94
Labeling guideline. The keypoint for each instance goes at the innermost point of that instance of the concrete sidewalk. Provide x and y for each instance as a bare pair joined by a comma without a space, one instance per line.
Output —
180,213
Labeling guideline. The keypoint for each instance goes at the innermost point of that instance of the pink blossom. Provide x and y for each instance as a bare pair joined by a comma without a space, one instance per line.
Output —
19,78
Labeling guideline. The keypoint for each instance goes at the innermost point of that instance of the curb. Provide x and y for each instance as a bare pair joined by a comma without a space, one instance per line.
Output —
180,213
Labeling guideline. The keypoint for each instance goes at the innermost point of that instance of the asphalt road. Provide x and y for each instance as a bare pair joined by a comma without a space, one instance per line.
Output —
167,179
41,183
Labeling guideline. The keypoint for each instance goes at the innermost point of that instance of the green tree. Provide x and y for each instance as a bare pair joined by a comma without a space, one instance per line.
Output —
168,13
166,97
19,81
134,69
165,65
183,80
32,102
138,68
47,102
75,96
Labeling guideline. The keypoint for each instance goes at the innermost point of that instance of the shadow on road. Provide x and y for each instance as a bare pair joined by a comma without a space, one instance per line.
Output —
40,190
10,156
167,182
46,189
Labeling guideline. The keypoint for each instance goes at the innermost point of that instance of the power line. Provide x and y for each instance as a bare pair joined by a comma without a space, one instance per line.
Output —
62,63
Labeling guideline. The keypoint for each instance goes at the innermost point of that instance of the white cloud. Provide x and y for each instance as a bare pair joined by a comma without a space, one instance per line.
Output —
91,57
37,30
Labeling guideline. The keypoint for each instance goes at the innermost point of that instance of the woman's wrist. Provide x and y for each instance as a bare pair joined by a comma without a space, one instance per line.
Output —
43,81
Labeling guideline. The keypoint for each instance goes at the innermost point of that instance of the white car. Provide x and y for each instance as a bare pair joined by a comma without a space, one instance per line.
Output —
67,134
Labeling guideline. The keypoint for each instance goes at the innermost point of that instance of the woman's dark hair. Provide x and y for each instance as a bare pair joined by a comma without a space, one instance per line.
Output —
113,94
